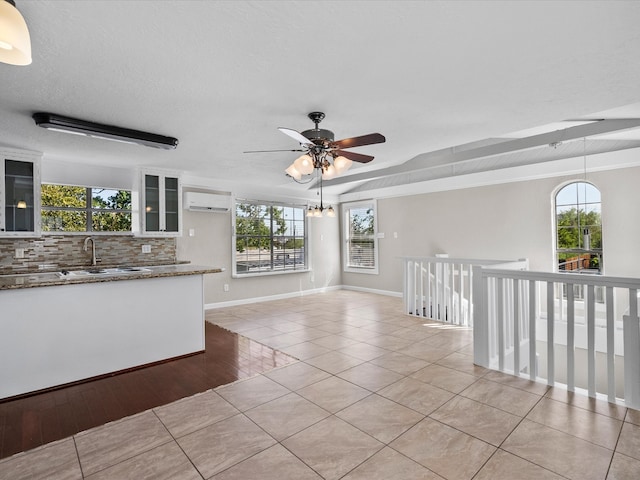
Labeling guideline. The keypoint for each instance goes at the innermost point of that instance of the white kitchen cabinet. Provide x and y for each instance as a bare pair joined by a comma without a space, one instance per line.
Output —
53,335
160,204
19,193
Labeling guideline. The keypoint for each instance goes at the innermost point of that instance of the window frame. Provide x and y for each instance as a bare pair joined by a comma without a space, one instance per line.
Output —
88,209
346,232
578,250
234,236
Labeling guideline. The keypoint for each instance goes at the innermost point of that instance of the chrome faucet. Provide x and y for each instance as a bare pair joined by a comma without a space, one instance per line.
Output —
93,249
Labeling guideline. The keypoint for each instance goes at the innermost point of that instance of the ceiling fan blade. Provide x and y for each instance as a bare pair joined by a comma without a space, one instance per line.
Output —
297,136
264,151
356,157
358,141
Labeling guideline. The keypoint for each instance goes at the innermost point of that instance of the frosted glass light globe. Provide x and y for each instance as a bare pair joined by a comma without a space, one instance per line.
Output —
329,173
304,164
292,171
342,164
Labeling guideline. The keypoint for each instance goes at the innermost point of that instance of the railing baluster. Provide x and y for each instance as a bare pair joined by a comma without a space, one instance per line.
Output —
508,302
591,340
571,332
416,266
516,327
500,317
437,279
461,319
611,330
421,290
429,301
449,303
533,364
551,366
470,309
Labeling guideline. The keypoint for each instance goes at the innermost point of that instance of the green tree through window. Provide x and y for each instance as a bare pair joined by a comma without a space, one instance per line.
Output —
360,237
269,237
84,209
579,228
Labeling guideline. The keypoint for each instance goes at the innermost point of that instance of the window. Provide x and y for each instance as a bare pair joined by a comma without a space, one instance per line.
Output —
85,209
269,238
579,229
360,239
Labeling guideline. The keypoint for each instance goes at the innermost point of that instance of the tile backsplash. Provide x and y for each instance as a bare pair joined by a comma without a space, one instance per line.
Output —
62,251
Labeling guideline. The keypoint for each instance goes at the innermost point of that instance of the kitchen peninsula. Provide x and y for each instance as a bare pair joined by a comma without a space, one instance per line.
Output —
63,327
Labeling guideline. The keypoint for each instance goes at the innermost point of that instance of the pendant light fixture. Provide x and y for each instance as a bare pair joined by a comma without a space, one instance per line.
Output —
321,210
15,43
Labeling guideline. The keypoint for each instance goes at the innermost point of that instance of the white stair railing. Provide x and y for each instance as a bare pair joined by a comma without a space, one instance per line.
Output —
524,325
441,288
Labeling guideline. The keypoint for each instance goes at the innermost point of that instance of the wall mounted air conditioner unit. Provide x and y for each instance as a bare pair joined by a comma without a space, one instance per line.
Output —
206,202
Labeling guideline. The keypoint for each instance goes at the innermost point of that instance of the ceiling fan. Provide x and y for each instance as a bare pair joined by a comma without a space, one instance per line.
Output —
322,152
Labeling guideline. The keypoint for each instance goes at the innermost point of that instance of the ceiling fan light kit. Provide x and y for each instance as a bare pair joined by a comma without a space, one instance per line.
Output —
323,156
15,42
59,123
323,153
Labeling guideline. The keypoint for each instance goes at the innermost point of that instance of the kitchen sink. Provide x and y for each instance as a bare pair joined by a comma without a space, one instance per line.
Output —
99,272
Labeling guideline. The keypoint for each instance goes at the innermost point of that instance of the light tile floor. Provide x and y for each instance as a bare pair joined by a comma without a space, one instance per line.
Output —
376,395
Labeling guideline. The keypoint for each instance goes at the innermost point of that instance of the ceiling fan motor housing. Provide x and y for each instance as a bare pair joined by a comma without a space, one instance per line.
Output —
319,136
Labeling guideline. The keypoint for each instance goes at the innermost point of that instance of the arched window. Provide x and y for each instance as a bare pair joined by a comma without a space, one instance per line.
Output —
579,228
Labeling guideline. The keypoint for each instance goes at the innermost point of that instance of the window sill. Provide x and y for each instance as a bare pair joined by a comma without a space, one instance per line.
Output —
268,274
367,271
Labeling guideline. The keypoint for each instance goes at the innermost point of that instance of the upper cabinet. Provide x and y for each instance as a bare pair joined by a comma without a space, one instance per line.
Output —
160,204
19,193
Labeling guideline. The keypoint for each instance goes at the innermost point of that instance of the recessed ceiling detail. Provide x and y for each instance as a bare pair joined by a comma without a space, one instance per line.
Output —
583,139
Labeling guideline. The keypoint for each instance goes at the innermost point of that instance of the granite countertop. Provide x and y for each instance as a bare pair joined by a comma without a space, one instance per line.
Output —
45,279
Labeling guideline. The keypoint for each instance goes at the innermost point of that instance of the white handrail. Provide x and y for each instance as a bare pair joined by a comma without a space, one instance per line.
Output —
441,288
523,310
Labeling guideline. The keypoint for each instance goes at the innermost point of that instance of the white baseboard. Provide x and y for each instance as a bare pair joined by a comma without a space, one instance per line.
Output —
282,296
388,293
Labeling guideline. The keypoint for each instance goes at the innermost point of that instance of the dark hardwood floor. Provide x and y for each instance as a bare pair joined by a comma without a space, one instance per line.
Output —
41,418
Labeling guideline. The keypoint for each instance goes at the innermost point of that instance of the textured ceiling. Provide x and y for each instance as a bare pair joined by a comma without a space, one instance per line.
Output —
221,76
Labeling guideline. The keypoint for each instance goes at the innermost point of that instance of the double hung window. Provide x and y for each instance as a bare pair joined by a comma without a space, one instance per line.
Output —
269,238
360,237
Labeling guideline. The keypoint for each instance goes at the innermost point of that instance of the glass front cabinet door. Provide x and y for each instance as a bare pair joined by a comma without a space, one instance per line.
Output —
19,194
161,204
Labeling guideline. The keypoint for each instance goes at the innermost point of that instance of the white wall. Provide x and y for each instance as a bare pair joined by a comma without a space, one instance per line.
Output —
506,221
67,173
211,245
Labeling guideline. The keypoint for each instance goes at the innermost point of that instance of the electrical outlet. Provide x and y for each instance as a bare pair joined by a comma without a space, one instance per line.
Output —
146,248
225,287
19,252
